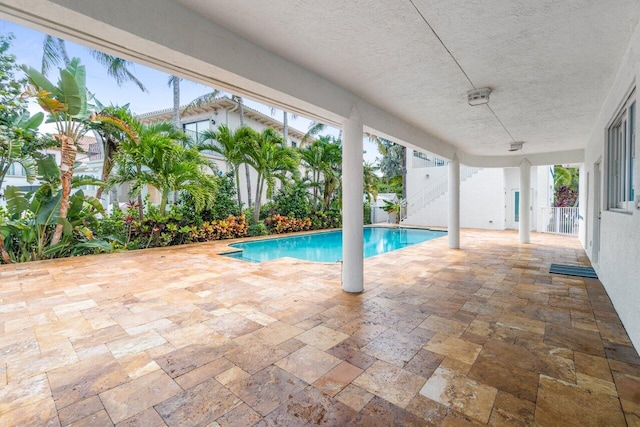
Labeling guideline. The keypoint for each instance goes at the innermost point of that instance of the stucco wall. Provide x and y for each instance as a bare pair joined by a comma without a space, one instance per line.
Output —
618,264
481,200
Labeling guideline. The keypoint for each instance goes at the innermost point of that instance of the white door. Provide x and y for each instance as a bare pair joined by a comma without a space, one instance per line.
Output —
513,210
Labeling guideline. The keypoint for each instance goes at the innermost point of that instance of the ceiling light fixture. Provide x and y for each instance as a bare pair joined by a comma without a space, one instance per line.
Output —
478,96
515,146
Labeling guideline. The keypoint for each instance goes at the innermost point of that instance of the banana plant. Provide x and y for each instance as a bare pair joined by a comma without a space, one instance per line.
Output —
395,207
66,104
32,218
14,137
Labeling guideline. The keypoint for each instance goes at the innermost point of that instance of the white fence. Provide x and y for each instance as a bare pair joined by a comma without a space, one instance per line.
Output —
560,221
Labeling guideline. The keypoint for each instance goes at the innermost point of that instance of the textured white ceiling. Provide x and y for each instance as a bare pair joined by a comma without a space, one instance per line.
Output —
550,63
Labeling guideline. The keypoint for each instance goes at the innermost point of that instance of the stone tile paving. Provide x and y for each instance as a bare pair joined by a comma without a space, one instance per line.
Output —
182,336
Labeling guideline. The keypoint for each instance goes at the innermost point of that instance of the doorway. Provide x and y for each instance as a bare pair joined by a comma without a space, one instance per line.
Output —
513,210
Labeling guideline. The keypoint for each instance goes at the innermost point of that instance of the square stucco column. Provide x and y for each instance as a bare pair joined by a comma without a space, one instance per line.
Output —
453,229
352,204
524,225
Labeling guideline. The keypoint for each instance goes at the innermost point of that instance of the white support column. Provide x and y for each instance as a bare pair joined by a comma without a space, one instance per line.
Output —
525,202
352,209
453,229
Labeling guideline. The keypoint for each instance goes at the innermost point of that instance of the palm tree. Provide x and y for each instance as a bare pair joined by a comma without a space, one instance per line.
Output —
247,172
159,161
285,123
54,52
393,161
332,179
370,181
269,156
174,82
315,128
323,159
311,157
231,145
112,136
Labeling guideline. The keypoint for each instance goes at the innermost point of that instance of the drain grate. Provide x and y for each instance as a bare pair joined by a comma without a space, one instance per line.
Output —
573,270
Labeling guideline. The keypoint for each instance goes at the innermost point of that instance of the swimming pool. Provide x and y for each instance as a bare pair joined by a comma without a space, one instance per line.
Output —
327,246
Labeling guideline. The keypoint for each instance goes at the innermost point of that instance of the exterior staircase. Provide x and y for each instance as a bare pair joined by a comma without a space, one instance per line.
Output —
432,192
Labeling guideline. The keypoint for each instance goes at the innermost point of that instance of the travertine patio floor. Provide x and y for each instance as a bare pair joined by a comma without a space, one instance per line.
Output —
180,336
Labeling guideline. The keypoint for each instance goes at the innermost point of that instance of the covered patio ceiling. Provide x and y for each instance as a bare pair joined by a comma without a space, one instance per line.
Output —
407,65
548,63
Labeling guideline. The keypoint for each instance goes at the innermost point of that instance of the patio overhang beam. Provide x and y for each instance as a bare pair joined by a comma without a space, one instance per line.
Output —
190,46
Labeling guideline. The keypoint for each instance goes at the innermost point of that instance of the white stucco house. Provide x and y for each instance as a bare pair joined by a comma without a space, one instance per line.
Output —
222,111
194,121
559,77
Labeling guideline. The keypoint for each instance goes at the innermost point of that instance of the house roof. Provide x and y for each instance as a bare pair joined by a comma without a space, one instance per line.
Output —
222,103
91,147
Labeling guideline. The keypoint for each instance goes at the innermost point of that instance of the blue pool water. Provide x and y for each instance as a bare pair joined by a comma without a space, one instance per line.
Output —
327,246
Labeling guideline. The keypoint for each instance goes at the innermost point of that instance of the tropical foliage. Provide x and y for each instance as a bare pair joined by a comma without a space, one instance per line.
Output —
19,142
232,145
67,107
566,183
279,224
323,159
59,219
159,160
395,207
28,229
54,53
273,161
223,206
392,164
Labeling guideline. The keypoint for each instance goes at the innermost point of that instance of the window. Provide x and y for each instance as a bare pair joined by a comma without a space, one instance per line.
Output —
294,144
621,158
16,169
194,129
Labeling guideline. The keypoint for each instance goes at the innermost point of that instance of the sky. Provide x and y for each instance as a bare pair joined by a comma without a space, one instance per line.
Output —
27,47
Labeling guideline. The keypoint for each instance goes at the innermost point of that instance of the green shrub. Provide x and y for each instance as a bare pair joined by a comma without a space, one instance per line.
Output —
328,219
292,201
367,213
28,223
224,205
258,229
267,210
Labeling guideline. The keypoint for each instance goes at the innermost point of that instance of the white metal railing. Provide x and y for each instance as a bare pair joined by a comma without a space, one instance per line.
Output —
560,220
435,189
421,160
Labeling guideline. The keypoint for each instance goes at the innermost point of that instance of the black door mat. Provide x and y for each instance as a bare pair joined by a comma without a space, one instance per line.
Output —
573,270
